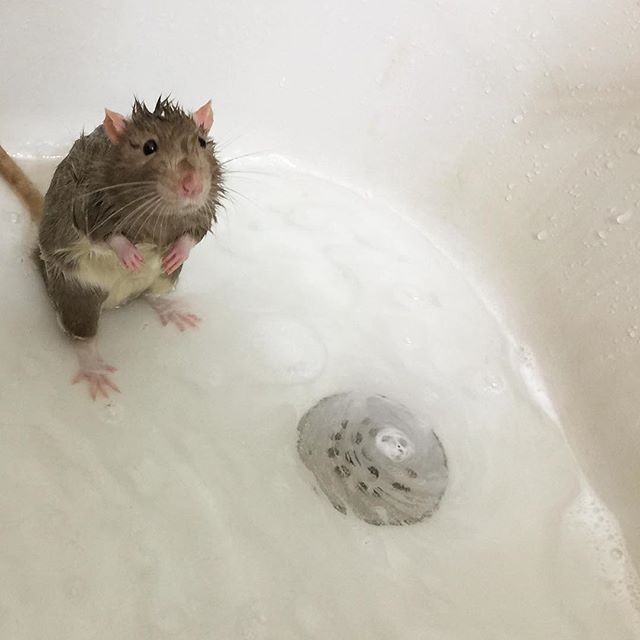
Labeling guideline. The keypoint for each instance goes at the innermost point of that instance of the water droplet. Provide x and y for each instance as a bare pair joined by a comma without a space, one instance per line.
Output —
609,164
519,67
492,383
542,235
487,90
546,146
632,332
511,186
624,217
74,587
518,119
112,412
601,234
508,197
533,35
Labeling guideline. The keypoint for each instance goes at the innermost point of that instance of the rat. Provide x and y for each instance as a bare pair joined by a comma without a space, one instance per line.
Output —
123,211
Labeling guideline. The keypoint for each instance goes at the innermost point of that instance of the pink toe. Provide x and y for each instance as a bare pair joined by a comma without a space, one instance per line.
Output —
111,384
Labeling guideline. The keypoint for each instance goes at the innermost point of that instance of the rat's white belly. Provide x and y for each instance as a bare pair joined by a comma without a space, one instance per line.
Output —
99,266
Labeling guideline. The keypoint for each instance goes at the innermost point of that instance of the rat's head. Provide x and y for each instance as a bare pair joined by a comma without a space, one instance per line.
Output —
169,147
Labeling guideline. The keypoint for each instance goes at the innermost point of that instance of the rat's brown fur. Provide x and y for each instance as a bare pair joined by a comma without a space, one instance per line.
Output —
102,189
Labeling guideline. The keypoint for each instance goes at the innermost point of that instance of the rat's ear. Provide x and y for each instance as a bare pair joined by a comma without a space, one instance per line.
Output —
114,125
203,117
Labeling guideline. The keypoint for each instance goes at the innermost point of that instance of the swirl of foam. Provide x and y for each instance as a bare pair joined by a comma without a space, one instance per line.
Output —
371,455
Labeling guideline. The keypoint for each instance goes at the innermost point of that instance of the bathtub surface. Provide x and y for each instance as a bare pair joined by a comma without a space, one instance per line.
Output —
508,133
180,508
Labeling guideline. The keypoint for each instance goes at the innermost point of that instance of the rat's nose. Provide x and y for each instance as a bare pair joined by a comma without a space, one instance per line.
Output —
190,185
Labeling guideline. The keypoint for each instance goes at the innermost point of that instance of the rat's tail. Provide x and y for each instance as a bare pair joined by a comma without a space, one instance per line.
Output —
20,183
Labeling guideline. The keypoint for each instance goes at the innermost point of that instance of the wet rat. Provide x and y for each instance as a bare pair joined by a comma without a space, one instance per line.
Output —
124,209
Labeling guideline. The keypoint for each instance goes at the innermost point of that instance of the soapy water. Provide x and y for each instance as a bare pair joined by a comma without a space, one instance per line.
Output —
180,508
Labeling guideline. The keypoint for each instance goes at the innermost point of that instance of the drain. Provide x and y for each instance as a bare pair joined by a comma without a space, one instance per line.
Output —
371,456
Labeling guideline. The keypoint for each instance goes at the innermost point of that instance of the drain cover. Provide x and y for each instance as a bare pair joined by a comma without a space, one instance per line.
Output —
371,455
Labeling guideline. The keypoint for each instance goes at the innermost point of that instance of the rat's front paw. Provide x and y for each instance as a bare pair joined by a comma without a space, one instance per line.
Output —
177,254
127,253
132,259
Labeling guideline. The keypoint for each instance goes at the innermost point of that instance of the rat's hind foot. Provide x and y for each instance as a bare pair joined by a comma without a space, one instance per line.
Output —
99,383
172,311
94,370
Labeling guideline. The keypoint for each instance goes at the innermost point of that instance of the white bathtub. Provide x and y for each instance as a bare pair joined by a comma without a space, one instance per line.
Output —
508,133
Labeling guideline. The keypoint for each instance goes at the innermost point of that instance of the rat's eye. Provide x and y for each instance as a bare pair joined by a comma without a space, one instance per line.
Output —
202,142
150,146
